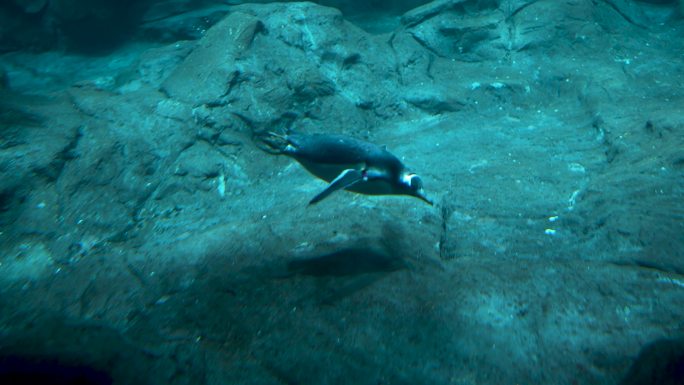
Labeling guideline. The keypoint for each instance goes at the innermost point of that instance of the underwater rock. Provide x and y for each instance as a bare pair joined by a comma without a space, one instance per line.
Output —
31,6
434,101
462,35
99,25
642,13
32,154
4,79
156,64
199,161
347,261
210,71
143,230
319,70
309,84
659,363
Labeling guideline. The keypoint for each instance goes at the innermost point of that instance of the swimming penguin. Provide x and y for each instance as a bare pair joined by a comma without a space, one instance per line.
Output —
350,164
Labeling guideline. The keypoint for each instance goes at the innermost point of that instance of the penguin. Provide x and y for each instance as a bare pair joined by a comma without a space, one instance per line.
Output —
350,164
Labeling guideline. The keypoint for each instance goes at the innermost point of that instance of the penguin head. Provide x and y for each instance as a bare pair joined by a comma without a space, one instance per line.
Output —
412,185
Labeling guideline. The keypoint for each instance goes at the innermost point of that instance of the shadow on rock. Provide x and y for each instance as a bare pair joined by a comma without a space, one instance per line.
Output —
20,370
350,261
659,363
343,272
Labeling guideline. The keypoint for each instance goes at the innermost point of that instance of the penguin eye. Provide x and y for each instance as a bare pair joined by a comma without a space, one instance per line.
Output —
415,182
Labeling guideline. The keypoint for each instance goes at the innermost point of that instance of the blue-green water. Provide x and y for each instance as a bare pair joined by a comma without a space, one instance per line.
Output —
150,235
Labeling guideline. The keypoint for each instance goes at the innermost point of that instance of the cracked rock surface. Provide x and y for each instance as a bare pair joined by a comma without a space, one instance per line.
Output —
145,233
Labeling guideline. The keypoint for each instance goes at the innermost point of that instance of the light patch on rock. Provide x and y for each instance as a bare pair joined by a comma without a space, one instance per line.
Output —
29,261
573,200
173,109
305,28
495,311
303,248
576,168
340,238
221,185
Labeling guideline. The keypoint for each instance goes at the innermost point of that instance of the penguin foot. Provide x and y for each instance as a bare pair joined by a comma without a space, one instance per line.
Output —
271,142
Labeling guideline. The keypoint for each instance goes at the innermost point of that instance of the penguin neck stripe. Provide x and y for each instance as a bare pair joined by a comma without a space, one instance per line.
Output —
407,178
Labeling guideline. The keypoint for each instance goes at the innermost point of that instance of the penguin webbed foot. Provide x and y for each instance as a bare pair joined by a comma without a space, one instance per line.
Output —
271,142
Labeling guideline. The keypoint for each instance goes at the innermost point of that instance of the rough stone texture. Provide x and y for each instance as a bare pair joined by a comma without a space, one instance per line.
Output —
97,26
144,232
100,25
320,73
209,72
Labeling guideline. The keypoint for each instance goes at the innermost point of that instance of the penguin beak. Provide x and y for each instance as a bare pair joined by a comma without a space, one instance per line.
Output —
415,186
422,196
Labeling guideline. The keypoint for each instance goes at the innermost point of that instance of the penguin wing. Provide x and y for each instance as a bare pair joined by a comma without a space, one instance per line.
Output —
346,179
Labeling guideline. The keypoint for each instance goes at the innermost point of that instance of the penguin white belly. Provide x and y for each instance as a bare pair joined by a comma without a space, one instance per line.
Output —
330,171
372,187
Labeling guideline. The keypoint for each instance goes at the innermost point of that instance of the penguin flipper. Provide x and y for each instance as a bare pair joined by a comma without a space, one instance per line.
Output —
346,179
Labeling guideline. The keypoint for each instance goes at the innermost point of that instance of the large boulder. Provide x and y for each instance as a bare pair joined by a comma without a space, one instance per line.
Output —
322,70
98,26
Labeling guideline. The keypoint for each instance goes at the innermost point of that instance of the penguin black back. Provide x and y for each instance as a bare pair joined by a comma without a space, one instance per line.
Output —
341,149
